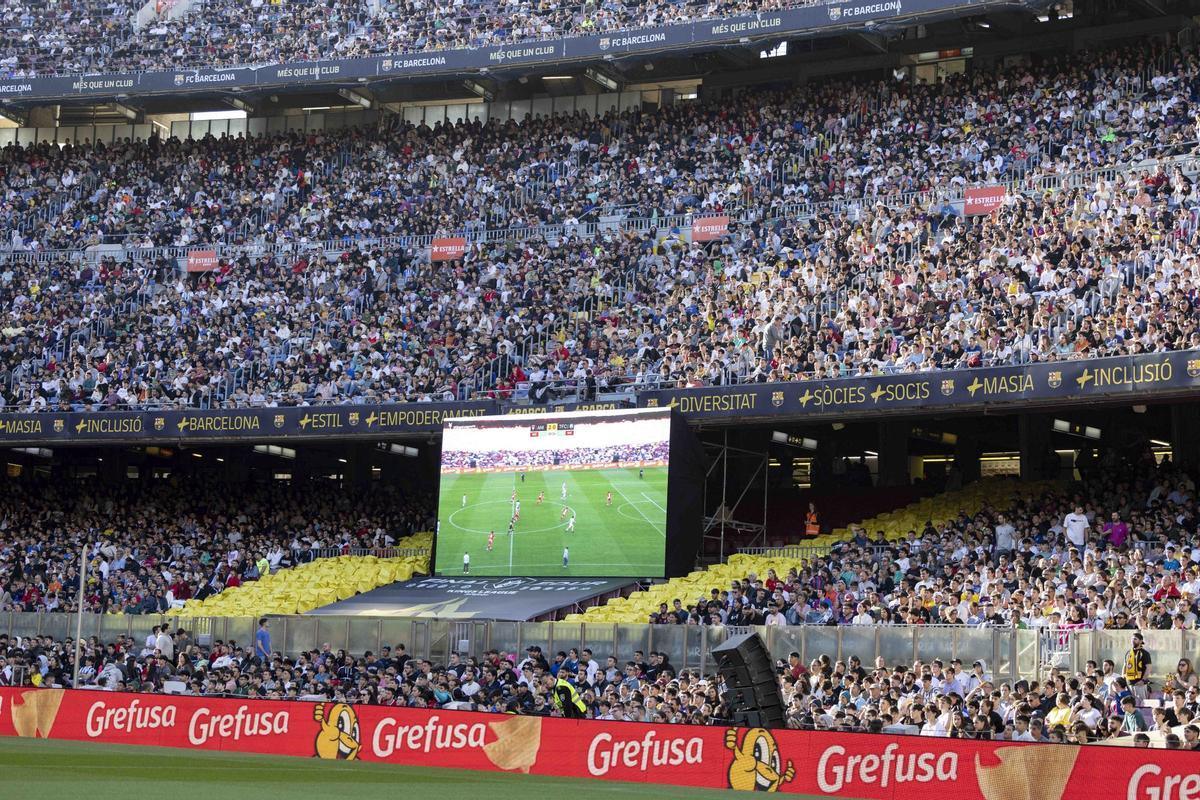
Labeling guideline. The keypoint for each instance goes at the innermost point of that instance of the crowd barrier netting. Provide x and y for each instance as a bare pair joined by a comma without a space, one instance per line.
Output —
871,767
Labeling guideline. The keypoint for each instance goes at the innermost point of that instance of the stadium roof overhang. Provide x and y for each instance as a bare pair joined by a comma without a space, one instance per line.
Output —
673,49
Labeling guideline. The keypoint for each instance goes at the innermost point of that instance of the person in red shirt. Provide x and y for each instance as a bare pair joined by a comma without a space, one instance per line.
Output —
1167,588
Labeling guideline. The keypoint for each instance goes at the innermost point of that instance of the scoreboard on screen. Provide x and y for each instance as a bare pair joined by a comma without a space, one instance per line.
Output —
542,429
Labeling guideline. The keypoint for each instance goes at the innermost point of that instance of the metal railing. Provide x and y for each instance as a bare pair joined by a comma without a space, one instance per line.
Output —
1010,653
1182,155
313,553
686,646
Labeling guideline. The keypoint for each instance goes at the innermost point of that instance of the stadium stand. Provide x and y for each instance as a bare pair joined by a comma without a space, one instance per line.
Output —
898,284
809,557
156,548
86,36
1116,550
315,583
831,141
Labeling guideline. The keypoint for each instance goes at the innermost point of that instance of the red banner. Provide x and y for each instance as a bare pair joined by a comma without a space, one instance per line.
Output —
706,229
448,249
201,260
983,200
835,765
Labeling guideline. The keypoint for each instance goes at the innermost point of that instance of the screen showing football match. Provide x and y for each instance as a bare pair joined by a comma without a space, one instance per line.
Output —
579,494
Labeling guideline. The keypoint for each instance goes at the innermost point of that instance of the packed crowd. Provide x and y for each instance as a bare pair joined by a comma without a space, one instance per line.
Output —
757,150
513,459
936,698
90,36
150,548
1109,268
1119,550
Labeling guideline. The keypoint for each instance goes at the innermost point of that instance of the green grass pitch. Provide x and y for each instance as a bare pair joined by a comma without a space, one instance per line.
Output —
40,768
626,539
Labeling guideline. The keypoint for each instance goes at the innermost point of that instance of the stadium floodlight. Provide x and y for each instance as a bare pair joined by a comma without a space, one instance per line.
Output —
398,449
1075,429
479,89
356,97
275,450
601,79
241,105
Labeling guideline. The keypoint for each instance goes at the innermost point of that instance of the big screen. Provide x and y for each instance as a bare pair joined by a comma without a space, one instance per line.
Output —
572,494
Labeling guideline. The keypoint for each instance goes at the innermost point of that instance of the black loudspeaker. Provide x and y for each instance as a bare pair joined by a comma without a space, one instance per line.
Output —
759,719
744,661
752,687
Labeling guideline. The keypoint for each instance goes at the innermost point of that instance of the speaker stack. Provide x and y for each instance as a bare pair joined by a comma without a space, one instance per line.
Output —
752,687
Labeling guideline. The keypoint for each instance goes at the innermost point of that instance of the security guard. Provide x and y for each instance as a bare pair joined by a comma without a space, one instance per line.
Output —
564,696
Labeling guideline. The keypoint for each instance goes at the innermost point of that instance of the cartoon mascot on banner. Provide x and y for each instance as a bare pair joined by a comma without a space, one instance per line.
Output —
756,765
338,737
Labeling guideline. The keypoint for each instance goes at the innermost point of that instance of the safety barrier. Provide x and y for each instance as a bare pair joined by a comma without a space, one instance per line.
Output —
1008,654
879,766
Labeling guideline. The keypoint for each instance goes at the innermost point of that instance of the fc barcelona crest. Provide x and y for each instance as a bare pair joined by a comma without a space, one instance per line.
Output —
1054,379
159,423
279,420
1193,368
777,399
948,387
652,402
58,426
353,417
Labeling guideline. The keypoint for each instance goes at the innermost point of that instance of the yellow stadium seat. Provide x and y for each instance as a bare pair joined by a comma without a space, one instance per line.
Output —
308,586
895,524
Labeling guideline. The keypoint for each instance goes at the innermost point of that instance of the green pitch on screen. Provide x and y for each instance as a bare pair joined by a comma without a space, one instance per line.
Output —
626,538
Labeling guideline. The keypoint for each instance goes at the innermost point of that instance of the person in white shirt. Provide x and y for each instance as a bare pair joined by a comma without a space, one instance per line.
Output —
863,617
1076,526
932,726
165,644
588,663
1021,731
151,641
776,617
469,687
977,677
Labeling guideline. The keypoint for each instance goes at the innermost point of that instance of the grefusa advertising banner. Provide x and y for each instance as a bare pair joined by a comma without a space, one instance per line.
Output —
836,765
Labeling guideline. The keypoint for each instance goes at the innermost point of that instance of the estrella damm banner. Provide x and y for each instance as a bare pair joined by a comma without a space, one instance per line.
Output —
1126,377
